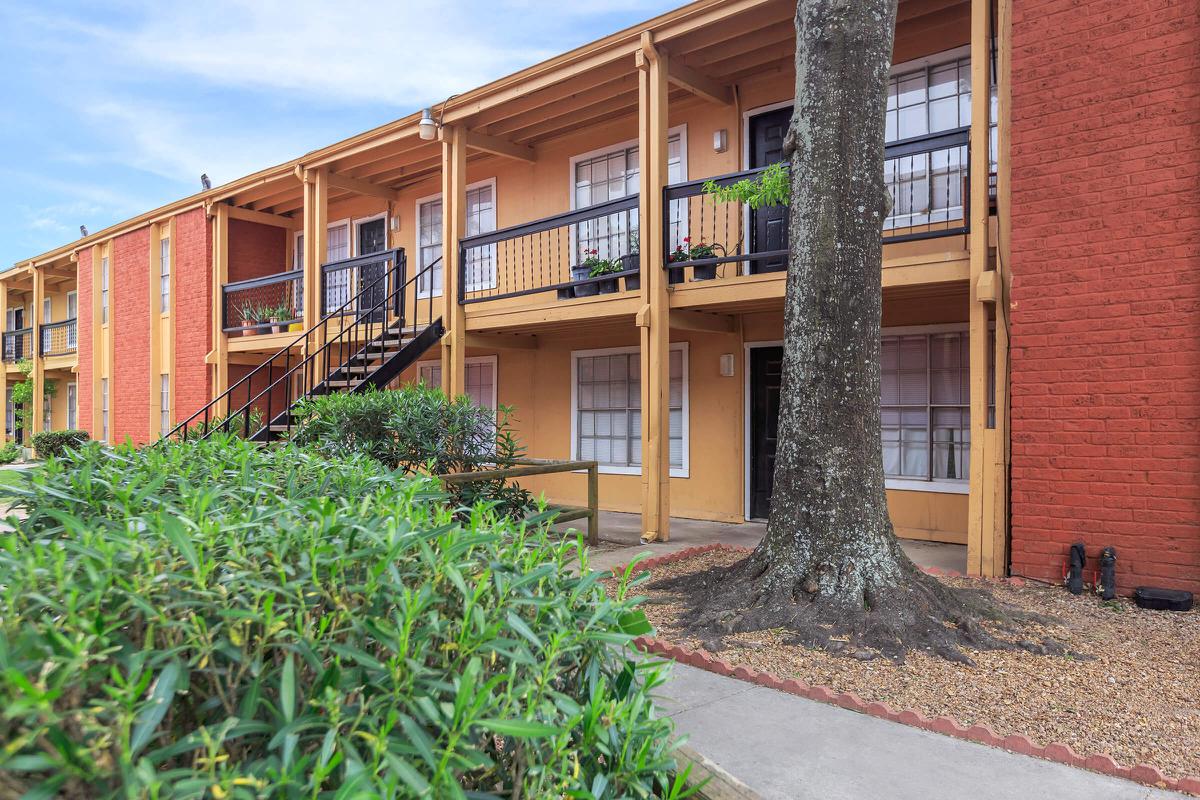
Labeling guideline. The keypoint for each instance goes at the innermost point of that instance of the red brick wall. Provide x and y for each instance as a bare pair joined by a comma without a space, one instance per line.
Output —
85,344
129,398
1106,287
256,250
193,329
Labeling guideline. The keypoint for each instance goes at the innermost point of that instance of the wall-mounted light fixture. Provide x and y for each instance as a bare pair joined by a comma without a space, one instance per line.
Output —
727,365
427,128
720,141
395,222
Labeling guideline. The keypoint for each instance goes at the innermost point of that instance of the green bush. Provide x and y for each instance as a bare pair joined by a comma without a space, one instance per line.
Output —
10,452
49,444
419,430
214,619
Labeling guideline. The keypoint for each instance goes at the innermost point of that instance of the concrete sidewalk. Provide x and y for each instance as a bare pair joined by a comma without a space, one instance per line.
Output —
789,748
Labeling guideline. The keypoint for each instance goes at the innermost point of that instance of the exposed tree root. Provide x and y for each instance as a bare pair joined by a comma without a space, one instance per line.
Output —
909,612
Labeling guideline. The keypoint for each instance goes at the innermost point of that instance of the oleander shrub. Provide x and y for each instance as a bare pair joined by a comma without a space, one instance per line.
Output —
419,430
215,619
53,444
10,452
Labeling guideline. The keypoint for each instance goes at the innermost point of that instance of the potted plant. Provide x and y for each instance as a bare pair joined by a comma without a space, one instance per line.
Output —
606,267
631,269
250,318
279,317
690,252
584,270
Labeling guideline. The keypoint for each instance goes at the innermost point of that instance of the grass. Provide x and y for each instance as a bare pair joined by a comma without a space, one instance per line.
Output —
10,478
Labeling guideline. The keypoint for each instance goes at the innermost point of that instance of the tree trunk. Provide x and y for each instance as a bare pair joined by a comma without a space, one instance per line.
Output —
830,566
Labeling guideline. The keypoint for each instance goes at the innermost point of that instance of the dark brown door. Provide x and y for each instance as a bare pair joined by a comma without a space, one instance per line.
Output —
768,226
766,373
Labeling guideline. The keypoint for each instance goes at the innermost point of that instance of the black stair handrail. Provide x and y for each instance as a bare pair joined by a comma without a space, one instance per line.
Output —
207,411
367,319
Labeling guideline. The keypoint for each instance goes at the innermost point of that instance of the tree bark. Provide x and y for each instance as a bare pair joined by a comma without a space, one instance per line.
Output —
830,567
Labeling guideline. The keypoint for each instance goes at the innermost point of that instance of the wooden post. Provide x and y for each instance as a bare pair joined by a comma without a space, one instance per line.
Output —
99,341
654,321
454,225
153,265
594,504
37,377
981,556
220,278
316,250
1003,454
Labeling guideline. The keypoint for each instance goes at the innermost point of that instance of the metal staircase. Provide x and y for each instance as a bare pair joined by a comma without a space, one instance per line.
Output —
368,340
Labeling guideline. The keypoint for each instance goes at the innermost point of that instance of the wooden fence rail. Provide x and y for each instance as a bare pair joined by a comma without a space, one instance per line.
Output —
524,467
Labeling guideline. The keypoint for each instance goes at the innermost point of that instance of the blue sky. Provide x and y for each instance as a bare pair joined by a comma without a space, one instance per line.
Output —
112,109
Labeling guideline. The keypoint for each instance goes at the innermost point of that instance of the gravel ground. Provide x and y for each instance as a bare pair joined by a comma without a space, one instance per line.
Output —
1134,694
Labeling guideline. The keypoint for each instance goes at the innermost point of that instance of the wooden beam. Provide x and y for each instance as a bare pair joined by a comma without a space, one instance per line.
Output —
702,322
454,227
262,218
359,186
500,341
499,147
697,83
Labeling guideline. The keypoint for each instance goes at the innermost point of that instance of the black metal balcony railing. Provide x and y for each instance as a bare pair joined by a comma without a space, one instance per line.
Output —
59,338
555,254
260,305
928,178
345,281
18,345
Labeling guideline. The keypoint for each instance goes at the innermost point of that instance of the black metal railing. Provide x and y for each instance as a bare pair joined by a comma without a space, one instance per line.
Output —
576,254
59,338
392,326
346,279
269,304
705,237
18,345
928,178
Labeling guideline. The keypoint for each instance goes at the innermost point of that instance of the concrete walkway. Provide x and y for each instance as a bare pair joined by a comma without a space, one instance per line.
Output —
624,530
789,748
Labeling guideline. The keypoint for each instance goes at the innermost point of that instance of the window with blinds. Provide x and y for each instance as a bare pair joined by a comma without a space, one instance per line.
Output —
608,408
480,380
164,275
925,406
481,261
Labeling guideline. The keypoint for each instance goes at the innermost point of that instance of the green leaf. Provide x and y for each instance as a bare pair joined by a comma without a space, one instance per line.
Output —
635,623
154,711
520,728
287,688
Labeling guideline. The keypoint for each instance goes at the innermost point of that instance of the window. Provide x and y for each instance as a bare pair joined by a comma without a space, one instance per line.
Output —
72,406
480,377
47,311
925,400
10,412
603,176
298,251
933,98
104,409
164,404
337,283
164,275
104,290
481,261
72,313
47,412
608,409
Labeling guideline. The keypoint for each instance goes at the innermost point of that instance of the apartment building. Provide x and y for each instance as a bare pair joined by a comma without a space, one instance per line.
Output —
545,242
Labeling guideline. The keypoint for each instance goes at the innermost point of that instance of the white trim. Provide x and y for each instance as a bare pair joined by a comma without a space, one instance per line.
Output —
746,348
943,327
953,54
357,222
683,471
72,413
72,295
935,486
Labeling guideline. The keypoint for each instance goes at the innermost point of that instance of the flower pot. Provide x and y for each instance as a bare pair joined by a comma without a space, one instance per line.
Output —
586,289
704,272
277,326
249,331
633,281
607,286
296,327
631,270
567,293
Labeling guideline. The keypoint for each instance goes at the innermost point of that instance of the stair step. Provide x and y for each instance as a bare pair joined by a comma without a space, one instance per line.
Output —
280,428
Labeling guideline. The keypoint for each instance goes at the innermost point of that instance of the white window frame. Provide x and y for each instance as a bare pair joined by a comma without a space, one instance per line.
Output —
47,411
681,130
164,279
493,360
357,222
47,310
683,471
164,410
72,304
72,406
105,288
104,407
430,198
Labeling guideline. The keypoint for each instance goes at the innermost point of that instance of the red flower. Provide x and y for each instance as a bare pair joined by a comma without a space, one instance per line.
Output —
687,238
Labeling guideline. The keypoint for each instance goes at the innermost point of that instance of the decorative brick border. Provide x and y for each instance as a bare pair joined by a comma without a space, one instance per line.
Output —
948,726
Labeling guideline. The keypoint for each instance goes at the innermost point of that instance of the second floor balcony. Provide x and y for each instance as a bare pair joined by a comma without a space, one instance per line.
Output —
59,338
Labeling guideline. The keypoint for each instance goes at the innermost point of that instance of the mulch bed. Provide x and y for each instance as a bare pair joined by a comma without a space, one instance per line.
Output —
1133,692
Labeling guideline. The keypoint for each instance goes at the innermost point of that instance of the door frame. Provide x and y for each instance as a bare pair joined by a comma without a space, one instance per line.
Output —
747,455
744,266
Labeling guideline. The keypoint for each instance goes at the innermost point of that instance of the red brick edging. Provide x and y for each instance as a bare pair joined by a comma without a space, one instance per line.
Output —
1016,743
